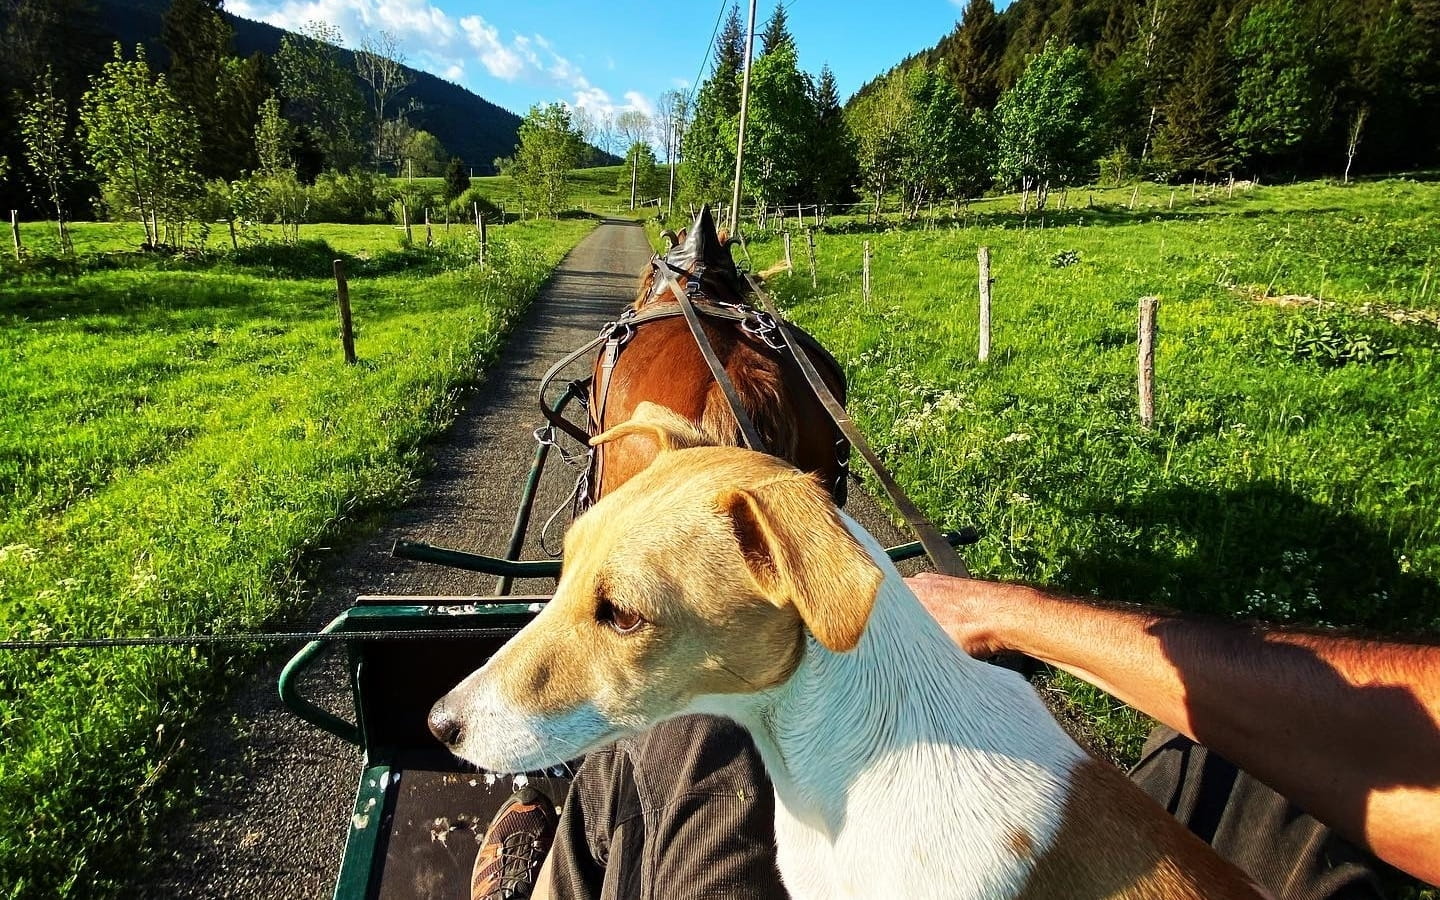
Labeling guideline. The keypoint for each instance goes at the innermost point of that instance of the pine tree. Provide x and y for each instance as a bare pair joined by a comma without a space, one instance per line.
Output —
457,178
776,31
834,170
1190,140
198,39
973,55
709,165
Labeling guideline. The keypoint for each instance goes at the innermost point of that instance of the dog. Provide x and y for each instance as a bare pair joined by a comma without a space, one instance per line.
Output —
724,581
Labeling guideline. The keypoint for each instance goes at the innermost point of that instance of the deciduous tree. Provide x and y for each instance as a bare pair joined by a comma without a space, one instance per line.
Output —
549,148
47,130
1045,123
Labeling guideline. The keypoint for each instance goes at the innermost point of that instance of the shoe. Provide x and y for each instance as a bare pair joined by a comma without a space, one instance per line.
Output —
514,846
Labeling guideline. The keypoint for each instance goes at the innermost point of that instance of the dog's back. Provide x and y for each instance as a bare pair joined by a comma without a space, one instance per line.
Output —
903,768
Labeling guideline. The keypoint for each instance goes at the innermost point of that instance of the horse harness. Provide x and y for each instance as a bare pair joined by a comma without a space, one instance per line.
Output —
764,324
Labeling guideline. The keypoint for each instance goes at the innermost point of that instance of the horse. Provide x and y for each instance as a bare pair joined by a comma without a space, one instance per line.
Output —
657,358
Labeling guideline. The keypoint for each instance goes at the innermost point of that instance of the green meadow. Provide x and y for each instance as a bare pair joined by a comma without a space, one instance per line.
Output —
175,434
1293,470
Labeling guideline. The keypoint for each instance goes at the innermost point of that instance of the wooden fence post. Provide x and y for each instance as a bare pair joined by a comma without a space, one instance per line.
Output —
15,232
429,235
1230,191
985,282
405,222
1172,198
342,297
789,263
484,237
810,239
1135,195
865,276
1147,360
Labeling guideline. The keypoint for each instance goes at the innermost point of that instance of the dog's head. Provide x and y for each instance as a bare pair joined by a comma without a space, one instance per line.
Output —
699,577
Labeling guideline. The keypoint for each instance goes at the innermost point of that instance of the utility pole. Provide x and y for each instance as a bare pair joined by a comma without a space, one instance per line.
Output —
744,113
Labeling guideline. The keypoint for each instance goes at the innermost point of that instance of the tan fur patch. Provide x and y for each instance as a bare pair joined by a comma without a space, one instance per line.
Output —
1115,843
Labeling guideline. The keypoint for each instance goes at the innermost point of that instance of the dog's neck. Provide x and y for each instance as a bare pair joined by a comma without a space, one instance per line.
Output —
847,717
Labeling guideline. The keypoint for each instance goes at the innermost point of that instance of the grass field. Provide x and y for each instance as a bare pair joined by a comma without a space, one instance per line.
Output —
173,436
594,190
1293,473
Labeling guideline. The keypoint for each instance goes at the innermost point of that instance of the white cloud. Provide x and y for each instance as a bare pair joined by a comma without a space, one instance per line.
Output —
445,45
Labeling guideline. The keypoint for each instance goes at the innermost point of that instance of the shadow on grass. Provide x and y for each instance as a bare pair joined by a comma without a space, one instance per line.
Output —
1259,551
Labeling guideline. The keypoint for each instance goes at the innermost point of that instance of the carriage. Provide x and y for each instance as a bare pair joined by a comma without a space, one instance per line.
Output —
419,812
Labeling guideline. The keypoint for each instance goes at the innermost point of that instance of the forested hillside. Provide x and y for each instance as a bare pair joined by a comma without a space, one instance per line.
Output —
373,112
1205,87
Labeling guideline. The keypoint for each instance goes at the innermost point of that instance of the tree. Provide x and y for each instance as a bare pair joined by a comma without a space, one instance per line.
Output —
776,33
423,154
1278,100
834,170
1190,139
143,143
634,128
709,165
671,113
549,148
973,55
946,150
782,122
274,139
198,39
322,94
1045,122
641,173
457,178
878,120
380,63
46,130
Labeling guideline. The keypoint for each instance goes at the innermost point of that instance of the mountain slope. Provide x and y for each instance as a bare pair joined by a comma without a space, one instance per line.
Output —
469,126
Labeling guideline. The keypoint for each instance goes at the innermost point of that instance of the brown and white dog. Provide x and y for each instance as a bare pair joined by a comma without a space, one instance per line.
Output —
724,581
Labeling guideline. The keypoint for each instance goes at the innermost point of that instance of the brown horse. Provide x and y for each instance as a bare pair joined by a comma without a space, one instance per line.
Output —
662,363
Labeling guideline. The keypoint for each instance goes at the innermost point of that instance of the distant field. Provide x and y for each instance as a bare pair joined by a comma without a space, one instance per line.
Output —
595,191
173,437
1281,481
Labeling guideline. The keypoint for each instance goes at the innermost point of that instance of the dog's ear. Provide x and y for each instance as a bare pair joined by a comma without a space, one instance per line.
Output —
668,428
799,553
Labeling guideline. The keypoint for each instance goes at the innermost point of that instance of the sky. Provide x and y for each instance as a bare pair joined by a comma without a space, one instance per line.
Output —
610,55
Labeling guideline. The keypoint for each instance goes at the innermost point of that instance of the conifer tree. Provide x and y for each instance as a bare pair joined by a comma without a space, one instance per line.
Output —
973,55
776,31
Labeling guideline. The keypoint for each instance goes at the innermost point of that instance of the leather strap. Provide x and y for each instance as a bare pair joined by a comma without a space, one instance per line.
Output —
942,555
748,432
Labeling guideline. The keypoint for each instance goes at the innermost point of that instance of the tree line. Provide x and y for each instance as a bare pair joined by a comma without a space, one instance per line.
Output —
214,137
1056,92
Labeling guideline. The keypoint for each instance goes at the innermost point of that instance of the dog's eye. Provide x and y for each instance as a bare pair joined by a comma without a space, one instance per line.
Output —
622,620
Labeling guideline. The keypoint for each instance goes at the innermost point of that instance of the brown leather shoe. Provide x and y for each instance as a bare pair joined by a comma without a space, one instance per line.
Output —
513,847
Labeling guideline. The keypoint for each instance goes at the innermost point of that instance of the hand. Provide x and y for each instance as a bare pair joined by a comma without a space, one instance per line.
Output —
972,612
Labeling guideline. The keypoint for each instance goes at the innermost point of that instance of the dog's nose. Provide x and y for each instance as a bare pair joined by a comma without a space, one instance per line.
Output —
444,724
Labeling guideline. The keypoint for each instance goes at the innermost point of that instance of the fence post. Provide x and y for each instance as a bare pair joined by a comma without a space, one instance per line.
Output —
484,237
985,282
1147,360
15,232
810,239
1172,198
405,222
342,297
789,263
429,235
1134,195
865,276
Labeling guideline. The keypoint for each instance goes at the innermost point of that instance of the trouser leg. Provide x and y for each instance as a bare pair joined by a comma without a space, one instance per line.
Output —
683,811
1279,845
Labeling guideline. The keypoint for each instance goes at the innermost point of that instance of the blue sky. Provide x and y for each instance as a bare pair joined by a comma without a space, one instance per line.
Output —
609,56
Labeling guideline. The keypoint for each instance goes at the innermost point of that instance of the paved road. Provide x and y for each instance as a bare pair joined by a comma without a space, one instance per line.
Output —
276,803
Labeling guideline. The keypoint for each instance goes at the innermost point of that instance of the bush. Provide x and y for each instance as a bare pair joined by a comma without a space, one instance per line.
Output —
351,198
463,207
1332,341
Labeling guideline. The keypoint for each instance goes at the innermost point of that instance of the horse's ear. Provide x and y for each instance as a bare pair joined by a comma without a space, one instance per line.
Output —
664,425
800,555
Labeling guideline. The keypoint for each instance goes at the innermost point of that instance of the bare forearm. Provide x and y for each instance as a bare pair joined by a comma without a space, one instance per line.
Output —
1347,729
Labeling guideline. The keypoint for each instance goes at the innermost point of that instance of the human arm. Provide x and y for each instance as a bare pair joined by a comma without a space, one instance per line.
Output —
1347,729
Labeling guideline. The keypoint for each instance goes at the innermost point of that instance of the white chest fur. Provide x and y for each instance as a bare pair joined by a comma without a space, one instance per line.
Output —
904,768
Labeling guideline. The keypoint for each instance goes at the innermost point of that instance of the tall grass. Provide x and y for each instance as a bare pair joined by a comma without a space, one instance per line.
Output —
173,438
1282,481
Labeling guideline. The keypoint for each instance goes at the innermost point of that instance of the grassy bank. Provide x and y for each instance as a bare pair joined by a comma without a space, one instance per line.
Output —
172,438
1293,472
